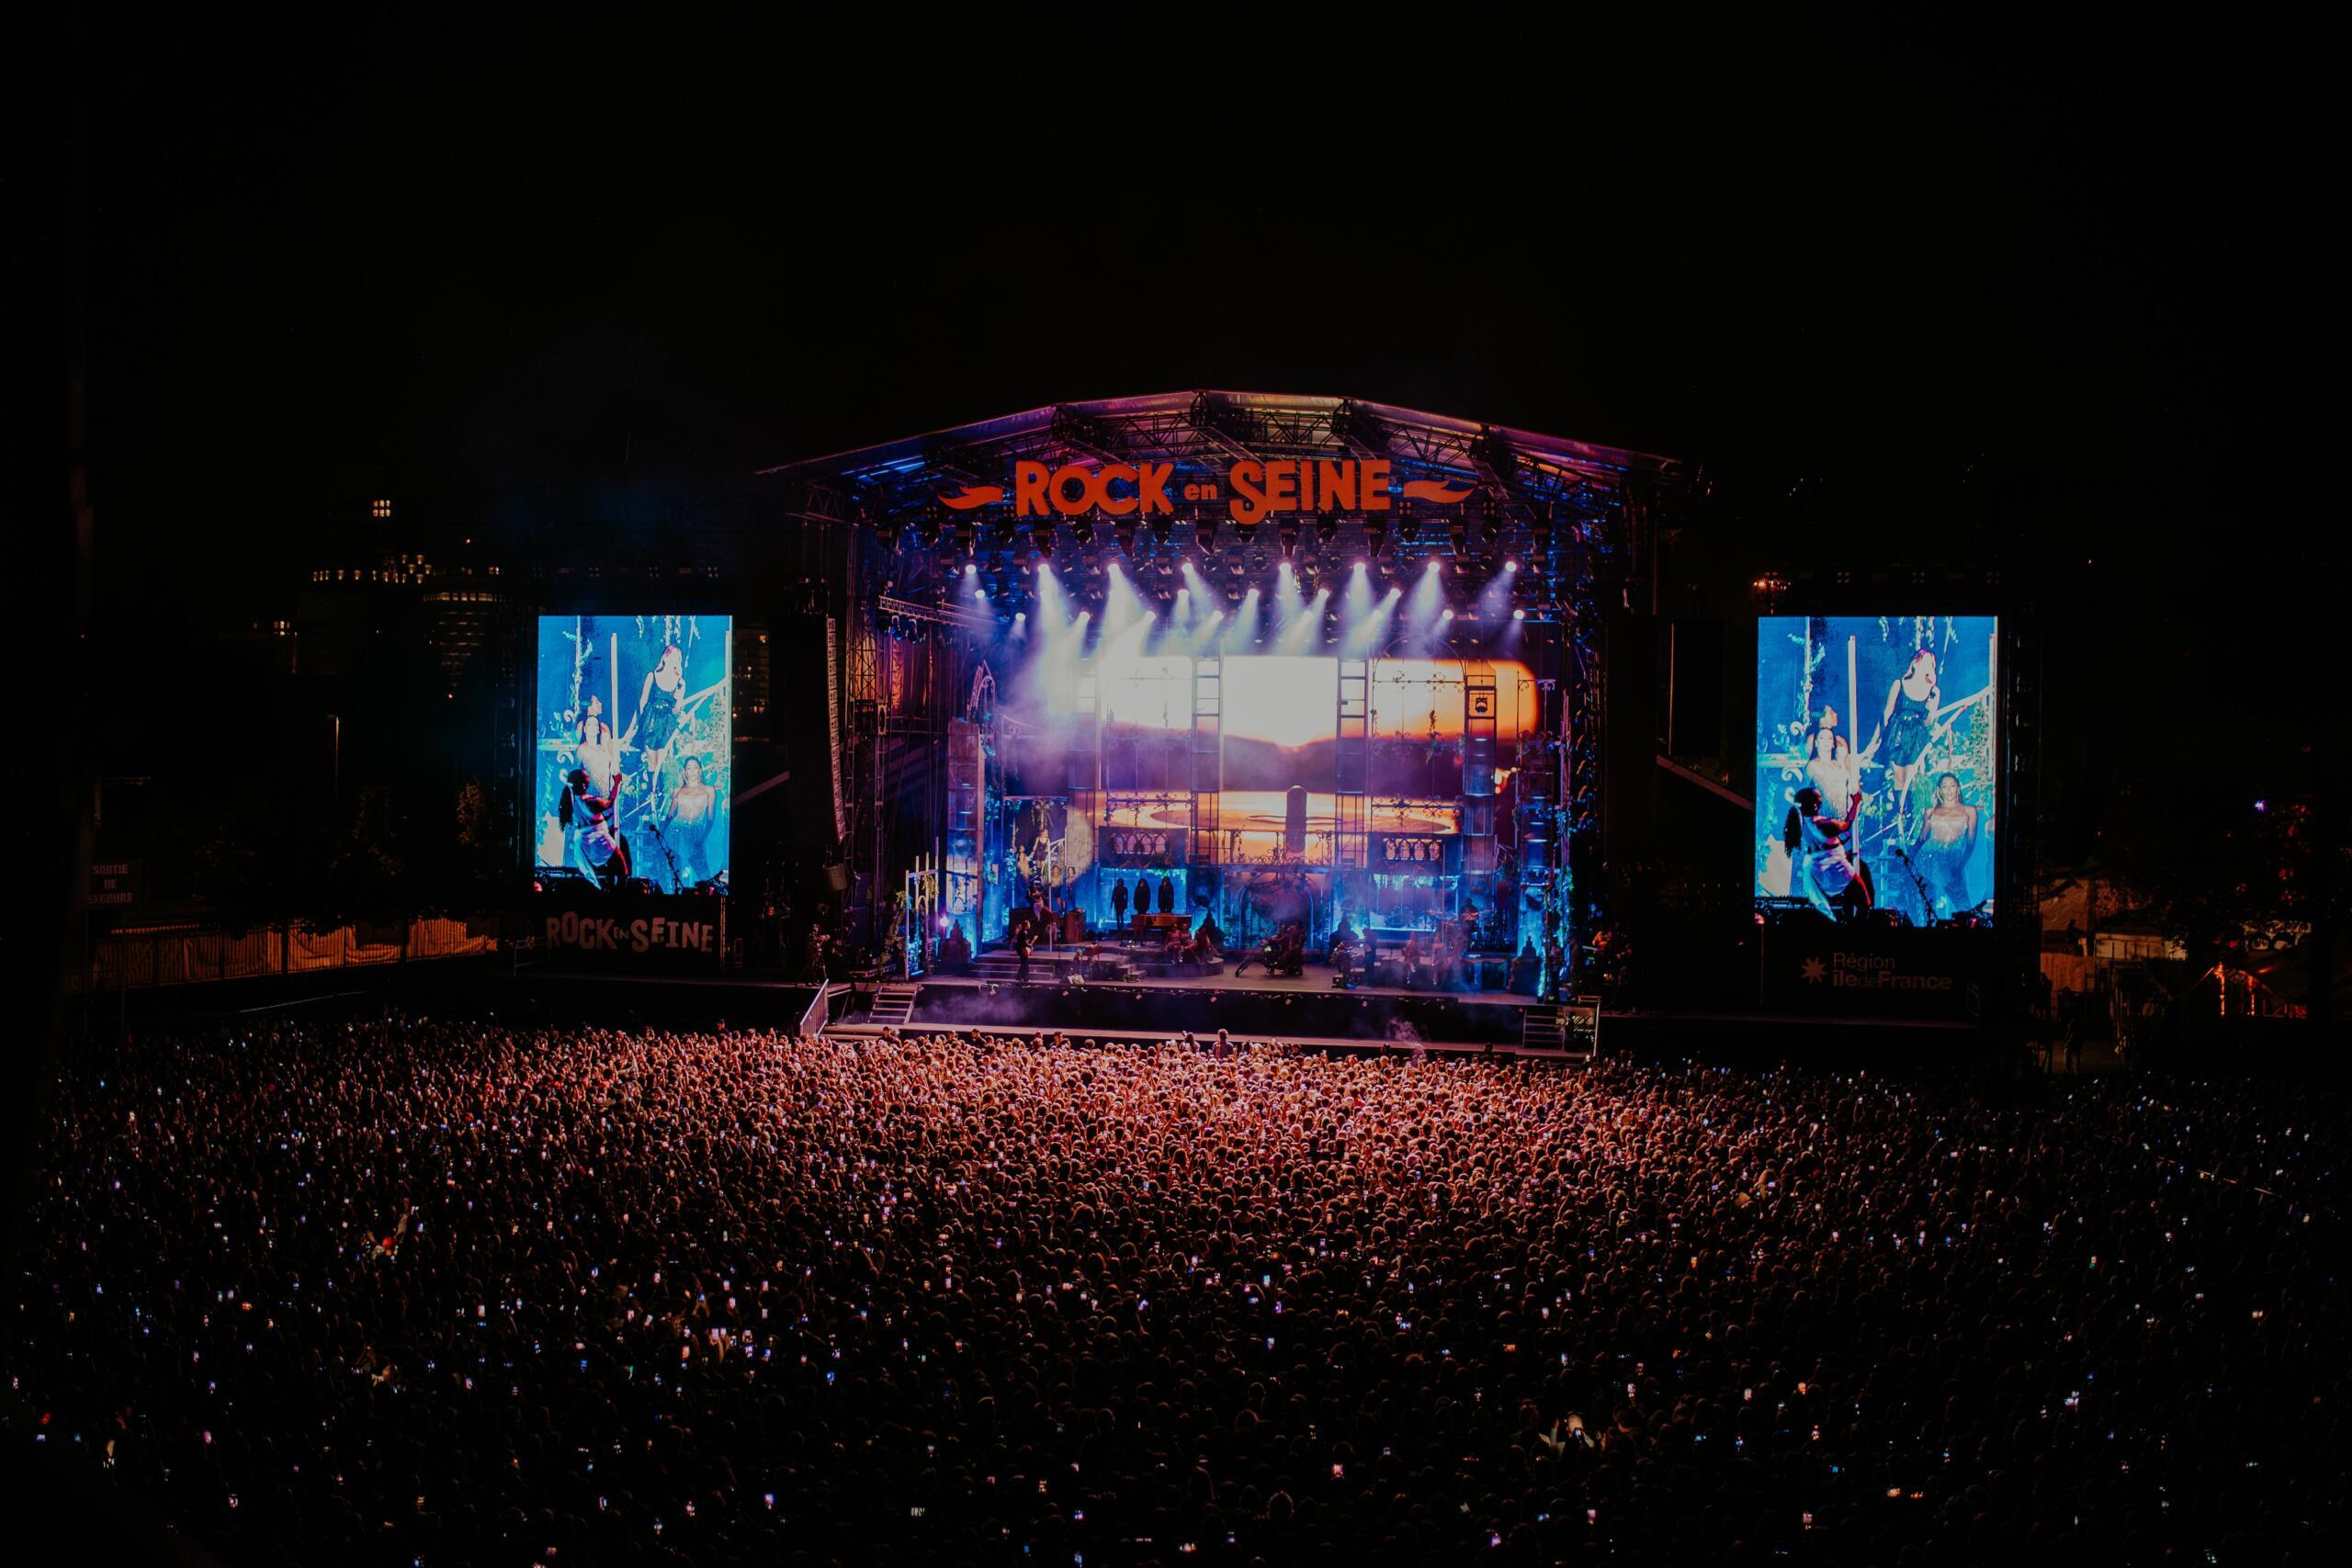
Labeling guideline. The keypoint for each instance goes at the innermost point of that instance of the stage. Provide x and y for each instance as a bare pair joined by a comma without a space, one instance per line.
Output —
1302,1007
1056,967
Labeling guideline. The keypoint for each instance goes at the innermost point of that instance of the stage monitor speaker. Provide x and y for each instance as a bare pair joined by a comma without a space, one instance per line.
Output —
801,819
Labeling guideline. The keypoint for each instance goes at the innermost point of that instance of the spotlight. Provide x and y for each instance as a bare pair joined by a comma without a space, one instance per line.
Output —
971,569
1446,616
1519,614
1511,564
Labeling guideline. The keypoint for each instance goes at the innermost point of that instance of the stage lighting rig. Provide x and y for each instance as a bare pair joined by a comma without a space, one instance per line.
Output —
1489,517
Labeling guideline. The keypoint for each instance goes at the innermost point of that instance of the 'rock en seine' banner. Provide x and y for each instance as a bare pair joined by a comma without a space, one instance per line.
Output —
1252,490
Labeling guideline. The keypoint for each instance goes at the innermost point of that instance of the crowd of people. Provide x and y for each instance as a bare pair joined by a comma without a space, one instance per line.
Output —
452,1292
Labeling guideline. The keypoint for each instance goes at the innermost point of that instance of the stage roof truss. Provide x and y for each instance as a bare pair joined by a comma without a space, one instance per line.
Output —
1533,478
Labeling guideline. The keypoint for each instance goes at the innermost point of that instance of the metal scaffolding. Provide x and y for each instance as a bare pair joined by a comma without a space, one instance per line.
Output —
1352,767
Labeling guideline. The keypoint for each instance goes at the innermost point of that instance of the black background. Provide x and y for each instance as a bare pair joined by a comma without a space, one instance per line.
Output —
2049,299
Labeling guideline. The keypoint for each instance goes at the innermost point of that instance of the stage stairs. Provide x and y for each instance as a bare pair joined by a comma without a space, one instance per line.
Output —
1003,965
894,1004
1545,1029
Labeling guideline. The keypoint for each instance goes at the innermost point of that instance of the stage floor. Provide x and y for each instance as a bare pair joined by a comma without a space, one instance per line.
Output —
1045,973
1089,1035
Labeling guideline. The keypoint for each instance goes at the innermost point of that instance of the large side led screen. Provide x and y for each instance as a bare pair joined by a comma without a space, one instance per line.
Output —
635,729
1877,764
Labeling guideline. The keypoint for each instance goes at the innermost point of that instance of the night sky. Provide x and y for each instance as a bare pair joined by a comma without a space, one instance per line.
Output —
1869,266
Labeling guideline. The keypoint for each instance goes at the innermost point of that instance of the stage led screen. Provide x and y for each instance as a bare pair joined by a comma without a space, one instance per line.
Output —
1877,764
1277,736
635,750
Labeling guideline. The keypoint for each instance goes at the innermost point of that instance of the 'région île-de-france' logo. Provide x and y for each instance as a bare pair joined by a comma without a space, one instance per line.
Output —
1869,972
1252,490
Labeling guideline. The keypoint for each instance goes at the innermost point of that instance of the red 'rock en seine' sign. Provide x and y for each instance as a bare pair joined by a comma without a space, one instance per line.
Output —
1251,490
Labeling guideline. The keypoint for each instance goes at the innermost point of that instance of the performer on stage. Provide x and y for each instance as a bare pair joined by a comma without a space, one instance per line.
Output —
1211,933
1906,729
1118,903
1526,969
659,703
662,706
1830,763
599,850
1205,943
1940,851
1822,868
1445,969
598,751
686,829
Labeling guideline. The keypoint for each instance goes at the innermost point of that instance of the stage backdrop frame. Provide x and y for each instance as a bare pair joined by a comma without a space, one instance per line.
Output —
589,665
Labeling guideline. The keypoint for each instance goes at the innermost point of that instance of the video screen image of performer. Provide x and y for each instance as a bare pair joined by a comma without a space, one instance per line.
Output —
635,748
1877,745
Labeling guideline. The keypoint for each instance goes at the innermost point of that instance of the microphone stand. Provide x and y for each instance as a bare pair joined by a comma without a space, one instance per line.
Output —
1927,899
677,879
